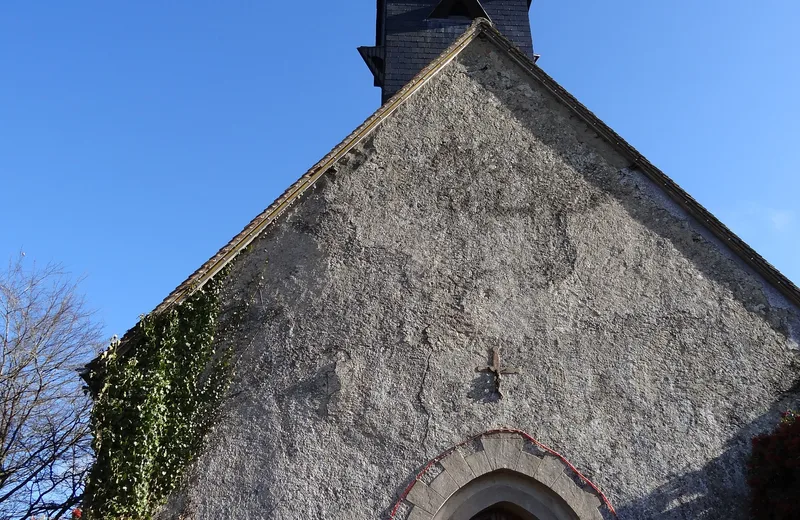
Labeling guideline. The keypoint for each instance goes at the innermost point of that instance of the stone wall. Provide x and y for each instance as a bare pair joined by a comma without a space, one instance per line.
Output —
481,215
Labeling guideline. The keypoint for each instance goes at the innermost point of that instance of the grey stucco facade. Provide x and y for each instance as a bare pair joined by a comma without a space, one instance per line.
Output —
484,214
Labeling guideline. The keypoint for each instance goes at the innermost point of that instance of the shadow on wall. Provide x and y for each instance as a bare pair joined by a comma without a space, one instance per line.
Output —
718,489
664,217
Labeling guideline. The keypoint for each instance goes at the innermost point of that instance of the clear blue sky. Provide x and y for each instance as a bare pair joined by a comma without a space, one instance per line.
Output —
136,138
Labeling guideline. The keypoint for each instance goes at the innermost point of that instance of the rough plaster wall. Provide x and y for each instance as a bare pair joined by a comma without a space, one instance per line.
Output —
480,215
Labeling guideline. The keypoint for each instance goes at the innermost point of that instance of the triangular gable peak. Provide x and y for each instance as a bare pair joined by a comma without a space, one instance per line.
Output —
484,29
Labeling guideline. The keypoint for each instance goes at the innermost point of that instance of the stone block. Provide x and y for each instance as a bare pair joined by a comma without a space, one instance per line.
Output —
588,506
510,450
491,447
587,512
419,514
583,501
528,464
502,451
422,496
455,465
550,469
567,489
444,485
478,463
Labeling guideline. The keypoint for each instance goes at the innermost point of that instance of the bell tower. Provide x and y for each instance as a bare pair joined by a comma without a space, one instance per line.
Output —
409,35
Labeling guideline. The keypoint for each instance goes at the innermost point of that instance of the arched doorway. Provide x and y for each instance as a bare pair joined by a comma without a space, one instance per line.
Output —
505,495
504,511
505,475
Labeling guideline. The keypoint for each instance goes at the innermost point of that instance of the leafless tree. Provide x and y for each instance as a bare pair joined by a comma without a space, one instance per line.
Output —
47,334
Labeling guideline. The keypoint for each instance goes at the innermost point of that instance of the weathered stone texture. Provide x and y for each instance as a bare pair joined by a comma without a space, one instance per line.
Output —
483,214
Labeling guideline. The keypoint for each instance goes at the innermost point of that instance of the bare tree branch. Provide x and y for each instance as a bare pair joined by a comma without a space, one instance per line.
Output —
47,334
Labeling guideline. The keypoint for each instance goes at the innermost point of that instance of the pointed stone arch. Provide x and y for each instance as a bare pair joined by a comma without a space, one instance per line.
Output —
502,469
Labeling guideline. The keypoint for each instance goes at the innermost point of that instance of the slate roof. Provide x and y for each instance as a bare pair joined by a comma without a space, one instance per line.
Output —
409,39
480,28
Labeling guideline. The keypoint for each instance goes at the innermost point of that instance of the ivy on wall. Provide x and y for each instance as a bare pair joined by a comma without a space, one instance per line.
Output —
774,471
156,403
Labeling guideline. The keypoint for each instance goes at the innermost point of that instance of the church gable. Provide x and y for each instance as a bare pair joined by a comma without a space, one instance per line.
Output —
479,219
659,188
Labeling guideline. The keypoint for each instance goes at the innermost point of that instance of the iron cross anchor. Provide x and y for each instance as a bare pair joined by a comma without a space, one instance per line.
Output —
498,370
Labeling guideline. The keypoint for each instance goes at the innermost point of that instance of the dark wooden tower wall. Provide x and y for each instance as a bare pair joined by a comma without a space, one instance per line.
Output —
412,33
